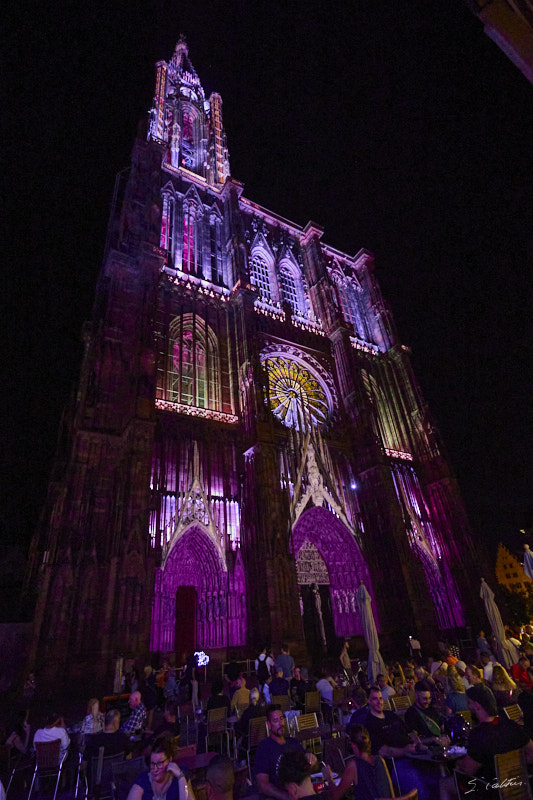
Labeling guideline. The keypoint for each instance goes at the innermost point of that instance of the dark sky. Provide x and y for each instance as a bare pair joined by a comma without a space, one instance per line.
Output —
400,127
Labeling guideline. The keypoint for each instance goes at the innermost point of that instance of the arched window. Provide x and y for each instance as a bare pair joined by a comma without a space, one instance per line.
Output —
187,140
292,289
350,304
215,240
167,223
384,418
259,274
193,370
191,245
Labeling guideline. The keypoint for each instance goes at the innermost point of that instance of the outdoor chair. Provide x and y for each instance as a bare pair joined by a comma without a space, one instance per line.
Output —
281,700
312,703
99,783
512,776
514,712
257,731
386,705
400,703
217,725
123,775
333,756
48,763
314,743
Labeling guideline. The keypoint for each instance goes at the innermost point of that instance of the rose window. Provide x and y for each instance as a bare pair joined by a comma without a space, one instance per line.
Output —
296,395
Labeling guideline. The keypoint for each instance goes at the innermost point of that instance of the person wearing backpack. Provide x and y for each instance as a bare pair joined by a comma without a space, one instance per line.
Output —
263,668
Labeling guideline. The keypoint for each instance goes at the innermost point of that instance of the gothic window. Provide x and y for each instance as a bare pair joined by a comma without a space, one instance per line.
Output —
191,248
260,276
296,395
386,427
350,305
192,371
216,250
167,223
292,288
187,140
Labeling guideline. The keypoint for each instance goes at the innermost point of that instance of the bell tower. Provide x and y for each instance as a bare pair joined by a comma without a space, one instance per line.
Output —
186,121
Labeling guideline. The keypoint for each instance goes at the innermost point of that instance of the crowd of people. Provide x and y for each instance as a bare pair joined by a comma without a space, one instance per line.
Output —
378,742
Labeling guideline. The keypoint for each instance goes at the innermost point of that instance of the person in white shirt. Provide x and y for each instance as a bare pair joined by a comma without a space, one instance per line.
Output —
386,689
461,669
53,729
487,666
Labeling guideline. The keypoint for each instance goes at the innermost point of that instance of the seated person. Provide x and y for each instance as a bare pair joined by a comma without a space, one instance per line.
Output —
111,738
137,719
369,773
218,699
278,685
503,687
220,778
18,730
296,685
360,702
269,752
253,710
241,696
455,696
493,735
170,726
94,721
54,729
164,779
325,686
422,717
387,690
232,674
521,673
295,776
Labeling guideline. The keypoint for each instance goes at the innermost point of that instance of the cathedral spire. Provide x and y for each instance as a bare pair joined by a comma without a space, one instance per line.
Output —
182,117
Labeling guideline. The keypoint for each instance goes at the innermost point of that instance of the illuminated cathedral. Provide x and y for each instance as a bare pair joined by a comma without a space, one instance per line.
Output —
247,442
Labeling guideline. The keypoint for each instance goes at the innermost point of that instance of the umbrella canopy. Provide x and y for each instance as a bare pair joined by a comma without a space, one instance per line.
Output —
376,665
493,613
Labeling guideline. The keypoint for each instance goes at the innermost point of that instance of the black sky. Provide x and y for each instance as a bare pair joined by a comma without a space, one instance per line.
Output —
400,127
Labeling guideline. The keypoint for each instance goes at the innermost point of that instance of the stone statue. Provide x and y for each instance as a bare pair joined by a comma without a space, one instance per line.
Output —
318,606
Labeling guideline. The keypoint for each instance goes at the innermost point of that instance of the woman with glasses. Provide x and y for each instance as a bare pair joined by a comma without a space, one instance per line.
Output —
164,780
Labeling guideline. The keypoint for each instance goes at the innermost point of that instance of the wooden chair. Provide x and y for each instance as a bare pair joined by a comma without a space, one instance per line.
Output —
400,703
48,762
512,776
514,712
281,700
312,703
257,731
386,705
307,722
217,725
339,697
124,773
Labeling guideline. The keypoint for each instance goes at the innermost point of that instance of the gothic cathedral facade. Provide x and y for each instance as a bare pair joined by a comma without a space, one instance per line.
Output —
247,443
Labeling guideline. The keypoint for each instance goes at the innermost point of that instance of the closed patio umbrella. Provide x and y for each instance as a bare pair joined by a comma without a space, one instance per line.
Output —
376,665
505,655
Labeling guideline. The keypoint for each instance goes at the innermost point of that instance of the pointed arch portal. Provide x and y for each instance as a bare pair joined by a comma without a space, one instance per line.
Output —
197,602
319,532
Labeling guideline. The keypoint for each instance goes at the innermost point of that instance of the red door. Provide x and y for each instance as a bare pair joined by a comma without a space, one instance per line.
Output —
185,631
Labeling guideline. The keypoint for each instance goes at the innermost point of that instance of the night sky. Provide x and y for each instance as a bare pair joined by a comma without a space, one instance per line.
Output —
400,127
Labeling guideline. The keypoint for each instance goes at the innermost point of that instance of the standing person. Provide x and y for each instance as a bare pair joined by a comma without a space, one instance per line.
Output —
346,661
263,667
269,752
285,662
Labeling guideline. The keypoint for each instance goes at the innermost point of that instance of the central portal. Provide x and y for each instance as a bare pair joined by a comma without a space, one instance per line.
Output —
315,602
185,629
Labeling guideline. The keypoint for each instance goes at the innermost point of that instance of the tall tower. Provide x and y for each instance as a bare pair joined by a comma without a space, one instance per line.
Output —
247,442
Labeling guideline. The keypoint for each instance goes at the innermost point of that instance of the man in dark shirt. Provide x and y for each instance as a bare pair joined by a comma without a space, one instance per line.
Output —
269,752
422,717
170,726
279,684
111,739
493,735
